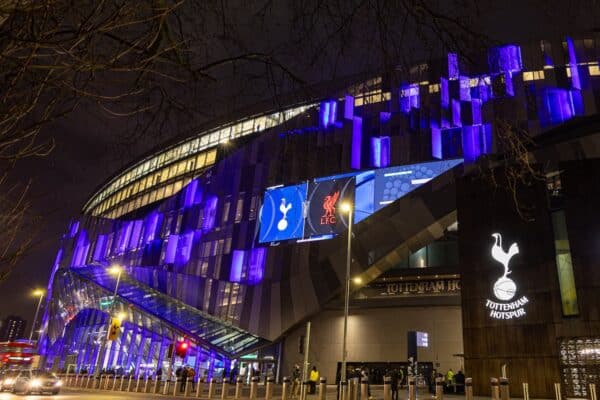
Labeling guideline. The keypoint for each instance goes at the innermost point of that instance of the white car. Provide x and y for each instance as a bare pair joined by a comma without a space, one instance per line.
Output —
36,381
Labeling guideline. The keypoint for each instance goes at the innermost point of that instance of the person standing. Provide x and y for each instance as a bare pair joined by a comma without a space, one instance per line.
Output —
395,379
183,378
313,379
295,381
449,378
190,375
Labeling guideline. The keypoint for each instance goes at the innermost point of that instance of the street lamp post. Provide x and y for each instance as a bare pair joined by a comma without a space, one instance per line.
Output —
40,293
114,270
346,207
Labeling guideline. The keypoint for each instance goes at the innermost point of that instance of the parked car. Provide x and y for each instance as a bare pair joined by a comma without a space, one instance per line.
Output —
36,381
7,380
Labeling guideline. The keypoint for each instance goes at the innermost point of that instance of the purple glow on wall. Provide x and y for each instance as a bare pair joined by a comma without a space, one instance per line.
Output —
409,98
456,121
124,235
470,143
380,151
575,81
476,111
555,106
505,59
436,143
191,196
453,70
328,113
184,248
486,138
150,225
81,249
73,229
444,93
385,117
210,213
134,241
256,264
171,249
349,107
237,264
465,88
509,84
100,249
356,142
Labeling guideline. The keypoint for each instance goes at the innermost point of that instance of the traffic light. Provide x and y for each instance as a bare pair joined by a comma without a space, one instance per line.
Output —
114,329
181,348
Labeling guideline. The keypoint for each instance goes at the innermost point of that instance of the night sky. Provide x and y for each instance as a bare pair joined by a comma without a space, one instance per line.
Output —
91,147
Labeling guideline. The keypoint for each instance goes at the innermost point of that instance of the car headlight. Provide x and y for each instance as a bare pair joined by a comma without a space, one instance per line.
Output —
58,383
35,383
9,381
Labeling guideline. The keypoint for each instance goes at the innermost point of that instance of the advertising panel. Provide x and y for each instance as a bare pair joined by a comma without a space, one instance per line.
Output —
282,214
324,198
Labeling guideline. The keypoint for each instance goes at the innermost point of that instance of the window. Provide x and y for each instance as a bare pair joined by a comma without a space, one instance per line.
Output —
225,215
239,209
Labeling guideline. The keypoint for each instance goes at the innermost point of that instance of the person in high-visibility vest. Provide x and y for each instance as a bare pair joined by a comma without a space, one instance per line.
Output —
313,379
449,378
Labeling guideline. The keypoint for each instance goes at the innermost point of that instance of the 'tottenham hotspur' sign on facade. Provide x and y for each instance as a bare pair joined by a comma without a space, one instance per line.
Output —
505,288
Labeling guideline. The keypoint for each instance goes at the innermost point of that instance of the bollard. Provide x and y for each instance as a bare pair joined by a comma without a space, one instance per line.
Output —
114,385
137,385
211,388
364,390
166,386
593,395
187,388
87,382
269,388
129,383
156,385
175,387
469,389
284,389
238,388
304,390
344,389
322,388
387,388
412,388
504,389
495,389
557,392
525,391
224,388
439,388
146,383
76,380
254,387
121,384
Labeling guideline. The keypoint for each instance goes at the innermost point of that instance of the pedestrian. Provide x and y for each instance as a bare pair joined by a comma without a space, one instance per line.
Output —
183,374
190,374
312,380
449,378
295,381
159,373
395,379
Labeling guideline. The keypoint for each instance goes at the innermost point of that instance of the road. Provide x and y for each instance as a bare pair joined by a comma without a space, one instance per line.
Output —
92,395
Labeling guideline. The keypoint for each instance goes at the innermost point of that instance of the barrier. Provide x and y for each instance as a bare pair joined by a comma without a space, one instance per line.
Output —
439,388
469,389
322,388
504,389
387,388
254,387
285,388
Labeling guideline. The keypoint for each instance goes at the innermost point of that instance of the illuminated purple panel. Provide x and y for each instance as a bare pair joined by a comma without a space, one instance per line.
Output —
456,113
73,229
328,113
124,235
136,232
555,106
385,117
356,142
409,98
184,248
465,88
210,212
436,143
100,249
81,249
380,151
470,143
150,225
505,59
445,93
349,107
486,139
453,71
575,81
256,264
333,113
237,263
190,194
476,111
171,249
509,84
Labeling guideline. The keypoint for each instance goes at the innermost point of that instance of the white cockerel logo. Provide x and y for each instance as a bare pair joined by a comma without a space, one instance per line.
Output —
504,288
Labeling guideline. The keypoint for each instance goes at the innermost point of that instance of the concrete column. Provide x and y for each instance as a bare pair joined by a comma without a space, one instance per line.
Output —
269,388
254,387
322,388
495,389
285,395
211,388
504,389
439,388
412,388
239,382
469,389
387,388
225,388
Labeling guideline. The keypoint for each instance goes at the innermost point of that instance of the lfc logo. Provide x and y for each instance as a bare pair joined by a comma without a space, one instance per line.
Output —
329,206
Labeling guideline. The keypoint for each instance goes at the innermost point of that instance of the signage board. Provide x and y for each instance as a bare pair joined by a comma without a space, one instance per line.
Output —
282,214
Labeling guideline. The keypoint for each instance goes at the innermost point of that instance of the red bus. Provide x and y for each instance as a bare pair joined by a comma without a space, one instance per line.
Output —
16,354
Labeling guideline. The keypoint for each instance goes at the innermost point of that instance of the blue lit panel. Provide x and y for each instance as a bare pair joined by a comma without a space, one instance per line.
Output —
393,183
282,216
364,196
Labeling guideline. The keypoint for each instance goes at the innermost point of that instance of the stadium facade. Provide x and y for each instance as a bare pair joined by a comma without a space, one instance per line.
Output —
464,228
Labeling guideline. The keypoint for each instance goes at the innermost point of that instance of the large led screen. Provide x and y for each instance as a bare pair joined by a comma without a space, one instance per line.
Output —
282,215
324,199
